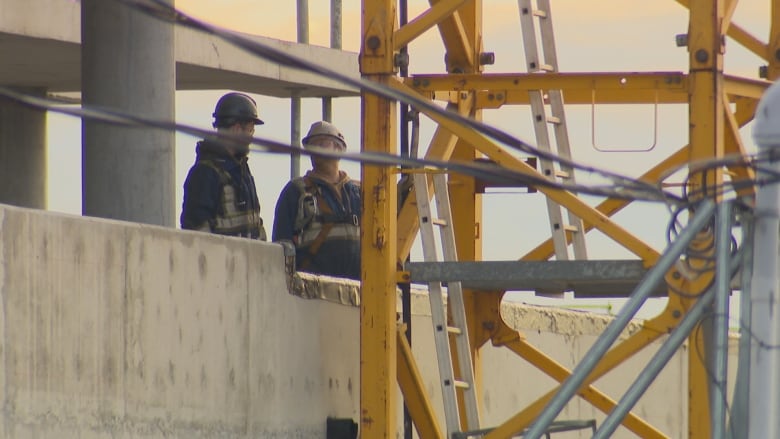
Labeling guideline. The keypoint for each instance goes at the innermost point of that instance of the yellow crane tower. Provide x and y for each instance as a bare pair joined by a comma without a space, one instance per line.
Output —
718,106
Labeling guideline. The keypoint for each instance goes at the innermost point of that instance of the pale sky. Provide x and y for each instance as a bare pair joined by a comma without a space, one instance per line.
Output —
607,35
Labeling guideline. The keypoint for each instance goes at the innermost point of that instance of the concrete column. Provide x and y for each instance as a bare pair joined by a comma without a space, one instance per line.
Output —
23,154
127,64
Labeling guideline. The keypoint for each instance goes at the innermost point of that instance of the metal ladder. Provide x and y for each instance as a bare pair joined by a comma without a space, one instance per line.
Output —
549,63
441,330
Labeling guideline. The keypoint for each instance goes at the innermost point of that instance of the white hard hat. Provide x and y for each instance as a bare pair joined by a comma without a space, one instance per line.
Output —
766,131
323,128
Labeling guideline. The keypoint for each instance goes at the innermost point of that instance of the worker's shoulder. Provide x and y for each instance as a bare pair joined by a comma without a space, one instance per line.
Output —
298,183
205,169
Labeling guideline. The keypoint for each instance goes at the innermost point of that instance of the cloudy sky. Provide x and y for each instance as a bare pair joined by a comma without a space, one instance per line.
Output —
605,35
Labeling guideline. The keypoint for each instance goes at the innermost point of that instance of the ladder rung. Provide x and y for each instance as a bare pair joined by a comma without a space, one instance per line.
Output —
537,33
461,347
454,330
570,228
462,384
439,222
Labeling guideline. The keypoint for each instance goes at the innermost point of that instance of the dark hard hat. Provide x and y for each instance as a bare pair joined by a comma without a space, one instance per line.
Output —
233,108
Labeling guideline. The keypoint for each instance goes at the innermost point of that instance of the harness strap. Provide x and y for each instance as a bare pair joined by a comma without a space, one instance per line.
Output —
314,247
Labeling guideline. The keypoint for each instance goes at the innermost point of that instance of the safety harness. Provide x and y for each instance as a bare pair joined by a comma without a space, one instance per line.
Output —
231,220
316,222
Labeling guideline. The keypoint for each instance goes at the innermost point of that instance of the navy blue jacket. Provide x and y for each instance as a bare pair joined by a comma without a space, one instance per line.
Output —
203,190
339,258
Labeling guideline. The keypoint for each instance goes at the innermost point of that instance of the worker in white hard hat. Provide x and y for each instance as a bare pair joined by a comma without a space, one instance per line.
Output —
320,212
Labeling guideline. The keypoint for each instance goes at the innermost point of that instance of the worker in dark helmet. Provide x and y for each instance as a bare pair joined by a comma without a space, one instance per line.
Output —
219,193
320,212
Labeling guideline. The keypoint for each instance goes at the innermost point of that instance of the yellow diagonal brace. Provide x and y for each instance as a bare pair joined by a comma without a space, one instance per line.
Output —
751,43
597,398
433,16
620,353
413,389
733,145
744,87
562,197
728,13
611,206
455,38
741,36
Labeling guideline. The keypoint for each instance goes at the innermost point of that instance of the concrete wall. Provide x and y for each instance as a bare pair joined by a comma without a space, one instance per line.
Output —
111,329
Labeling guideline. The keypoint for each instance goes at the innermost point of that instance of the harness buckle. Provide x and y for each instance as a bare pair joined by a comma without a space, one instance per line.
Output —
355,220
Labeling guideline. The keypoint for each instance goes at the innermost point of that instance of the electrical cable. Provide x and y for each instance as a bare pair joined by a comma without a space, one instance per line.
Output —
483,171
168,13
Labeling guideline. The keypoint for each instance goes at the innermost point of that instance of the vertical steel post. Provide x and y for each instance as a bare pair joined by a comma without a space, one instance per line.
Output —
624,316
295,95
378,344
335,43
303,21
720,325
740,403
295,132
335,24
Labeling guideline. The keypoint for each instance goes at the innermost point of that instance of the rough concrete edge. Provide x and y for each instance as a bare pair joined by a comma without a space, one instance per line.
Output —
517,315
331,289
522,316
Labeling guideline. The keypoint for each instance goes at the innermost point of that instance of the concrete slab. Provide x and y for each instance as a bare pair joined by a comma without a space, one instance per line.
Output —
40,47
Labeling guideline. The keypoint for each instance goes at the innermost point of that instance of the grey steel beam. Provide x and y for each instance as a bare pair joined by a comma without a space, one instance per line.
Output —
740,403
677,337
591,359
602,278
720,354
654,367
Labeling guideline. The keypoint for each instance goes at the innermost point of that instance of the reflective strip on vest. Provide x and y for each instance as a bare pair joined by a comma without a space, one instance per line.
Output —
338,231
237,222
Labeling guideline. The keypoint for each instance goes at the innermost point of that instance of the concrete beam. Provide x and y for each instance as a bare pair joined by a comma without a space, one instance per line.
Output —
47,33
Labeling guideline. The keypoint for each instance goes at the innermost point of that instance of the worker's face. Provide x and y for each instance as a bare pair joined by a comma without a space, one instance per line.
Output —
324,142
244,131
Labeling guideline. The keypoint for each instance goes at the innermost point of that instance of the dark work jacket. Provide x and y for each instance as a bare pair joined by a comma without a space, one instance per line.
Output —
338,255
220,195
